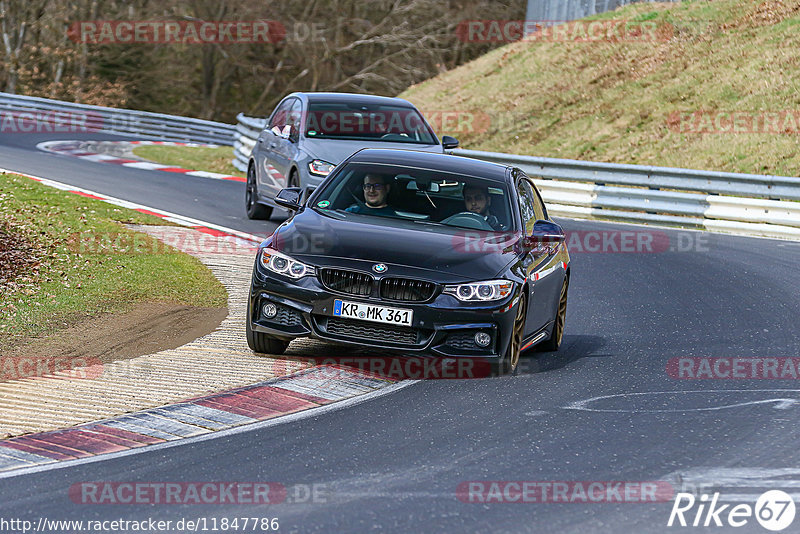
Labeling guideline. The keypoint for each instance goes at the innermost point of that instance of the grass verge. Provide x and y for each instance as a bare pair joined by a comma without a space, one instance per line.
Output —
64,257
625,102
195,158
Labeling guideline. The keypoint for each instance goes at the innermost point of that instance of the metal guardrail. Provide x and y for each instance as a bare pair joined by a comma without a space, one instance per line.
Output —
24,113
247,130
748,204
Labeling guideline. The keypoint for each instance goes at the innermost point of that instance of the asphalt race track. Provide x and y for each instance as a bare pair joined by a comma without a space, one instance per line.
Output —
394,463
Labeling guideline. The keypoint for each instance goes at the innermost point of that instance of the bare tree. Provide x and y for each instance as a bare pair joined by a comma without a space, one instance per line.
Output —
380,46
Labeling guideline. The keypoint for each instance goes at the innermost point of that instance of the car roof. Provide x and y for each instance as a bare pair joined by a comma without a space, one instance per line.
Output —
350,98
434,161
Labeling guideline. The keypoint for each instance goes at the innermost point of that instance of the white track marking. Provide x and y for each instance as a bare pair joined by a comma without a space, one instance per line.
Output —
781,403
146,165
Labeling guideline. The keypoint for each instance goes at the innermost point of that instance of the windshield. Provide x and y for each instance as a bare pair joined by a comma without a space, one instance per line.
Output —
434,198
370,122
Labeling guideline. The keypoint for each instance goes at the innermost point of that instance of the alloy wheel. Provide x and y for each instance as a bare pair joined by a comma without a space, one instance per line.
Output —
562,312
251,186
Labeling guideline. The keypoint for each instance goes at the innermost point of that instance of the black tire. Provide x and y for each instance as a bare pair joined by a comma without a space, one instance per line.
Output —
553,344
294,181
264,344
510,362
254,210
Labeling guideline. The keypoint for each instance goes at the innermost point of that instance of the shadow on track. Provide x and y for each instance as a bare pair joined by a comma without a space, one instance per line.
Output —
573,348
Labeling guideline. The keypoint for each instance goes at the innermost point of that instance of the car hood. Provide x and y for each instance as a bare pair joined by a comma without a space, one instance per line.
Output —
335,151
436,253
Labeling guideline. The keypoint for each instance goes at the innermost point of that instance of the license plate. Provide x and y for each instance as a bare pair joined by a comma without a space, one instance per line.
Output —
370,312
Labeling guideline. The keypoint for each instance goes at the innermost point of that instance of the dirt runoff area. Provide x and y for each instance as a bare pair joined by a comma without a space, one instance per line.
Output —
146,329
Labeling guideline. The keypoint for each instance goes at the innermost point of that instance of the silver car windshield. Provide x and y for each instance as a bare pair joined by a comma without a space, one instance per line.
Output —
359,122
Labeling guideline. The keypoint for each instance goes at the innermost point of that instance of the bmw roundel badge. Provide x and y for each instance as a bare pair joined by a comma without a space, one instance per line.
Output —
379,268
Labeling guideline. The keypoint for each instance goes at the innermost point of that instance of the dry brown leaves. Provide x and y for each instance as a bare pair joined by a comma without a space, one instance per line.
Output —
18,256
767,13
19,267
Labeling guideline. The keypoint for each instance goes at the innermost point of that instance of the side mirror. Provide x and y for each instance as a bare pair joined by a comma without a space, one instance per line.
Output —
546,237
289,198
548,231
449,142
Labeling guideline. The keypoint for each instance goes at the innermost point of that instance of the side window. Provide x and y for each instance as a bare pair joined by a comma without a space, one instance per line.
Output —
538,205
281,115
526,204
295,116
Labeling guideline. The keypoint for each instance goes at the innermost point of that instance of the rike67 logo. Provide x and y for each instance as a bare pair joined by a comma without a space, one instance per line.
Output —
774,510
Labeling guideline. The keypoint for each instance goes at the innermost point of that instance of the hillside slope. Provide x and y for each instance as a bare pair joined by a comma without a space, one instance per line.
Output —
718,89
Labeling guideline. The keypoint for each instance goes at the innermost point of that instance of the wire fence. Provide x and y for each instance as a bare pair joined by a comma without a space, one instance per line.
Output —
564,10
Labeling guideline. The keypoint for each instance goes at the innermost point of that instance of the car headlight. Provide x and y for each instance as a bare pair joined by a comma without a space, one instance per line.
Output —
480,291
279,263
320,168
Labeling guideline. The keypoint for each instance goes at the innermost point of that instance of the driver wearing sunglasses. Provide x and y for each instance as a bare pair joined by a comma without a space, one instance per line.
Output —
376,190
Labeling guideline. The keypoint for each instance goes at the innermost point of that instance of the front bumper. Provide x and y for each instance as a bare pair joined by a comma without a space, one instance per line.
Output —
443,326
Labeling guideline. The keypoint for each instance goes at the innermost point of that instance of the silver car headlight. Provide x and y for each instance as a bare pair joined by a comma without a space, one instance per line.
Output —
319,167
280,263
481,291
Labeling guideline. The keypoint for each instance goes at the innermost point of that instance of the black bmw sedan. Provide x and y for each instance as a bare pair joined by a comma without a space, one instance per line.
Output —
414,253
